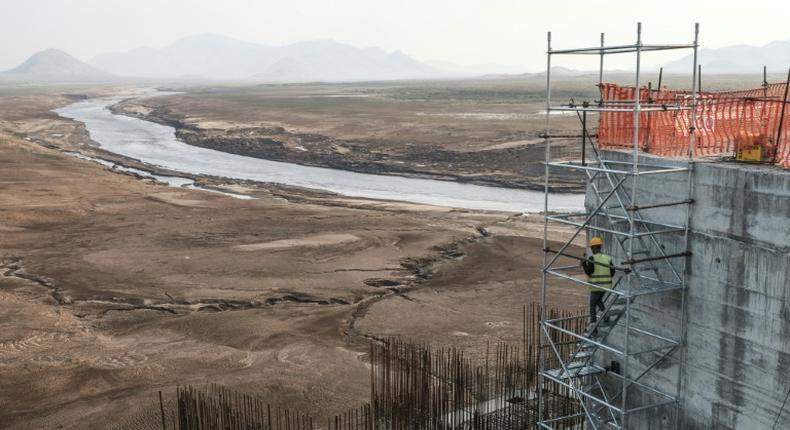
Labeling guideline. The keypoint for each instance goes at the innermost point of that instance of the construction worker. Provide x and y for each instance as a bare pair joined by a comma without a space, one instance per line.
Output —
600,271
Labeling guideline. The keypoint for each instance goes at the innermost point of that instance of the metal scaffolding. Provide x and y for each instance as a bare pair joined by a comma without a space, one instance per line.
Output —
607,372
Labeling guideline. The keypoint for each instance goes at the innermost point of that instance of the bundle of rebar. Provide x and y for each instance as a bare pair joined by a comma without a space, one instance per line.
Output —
413,387
219,408
419,387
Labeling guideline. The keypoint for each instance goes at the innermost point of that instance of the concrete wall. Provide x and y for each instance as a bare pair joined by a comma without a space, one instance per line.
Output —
737,356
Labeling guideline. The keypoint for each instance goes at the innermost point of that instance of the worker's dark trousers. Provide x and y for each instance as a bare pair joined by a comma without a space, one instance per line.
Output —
596,302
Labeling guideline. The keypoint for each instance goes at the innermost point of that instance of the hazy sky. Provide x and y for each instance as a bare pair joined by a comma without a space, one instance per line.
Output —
460,31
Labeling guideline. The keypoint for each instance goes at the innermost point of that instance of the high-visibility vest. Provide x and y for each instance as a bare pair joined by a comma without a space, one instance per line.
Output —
601,274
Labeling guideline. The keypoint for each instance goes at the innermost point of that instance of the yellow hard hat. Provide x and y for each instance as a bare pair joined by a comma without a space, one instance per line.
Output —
596,241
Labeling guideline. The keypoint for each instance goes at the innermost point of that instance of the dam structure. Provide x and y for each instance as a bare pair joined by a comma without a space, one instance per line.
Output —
696,328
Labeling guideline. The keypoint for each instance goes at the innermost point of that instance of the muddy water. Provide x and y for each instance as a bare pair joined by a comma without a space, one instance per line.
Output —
157,145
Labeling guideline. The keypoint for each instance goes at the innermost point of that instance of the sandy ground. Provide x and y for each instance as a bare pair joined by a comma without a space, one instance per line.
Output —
114,288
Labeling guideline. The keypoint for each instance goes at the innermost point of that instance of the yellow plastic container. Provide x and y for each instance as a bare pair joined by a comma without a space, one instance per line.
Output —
753,154
748,147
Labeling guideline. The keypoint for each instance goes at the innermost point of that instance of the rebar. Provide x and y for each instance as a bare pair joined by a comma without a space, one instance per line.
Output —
418,387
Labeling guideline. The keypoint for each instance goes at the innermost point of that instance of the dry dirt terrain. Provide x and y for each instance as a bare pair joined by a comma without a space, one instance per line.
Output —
113,288
484,132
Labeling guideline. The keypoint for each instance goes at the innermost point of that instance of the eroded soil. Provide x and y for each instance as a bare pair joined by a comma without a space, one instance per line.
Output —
113,288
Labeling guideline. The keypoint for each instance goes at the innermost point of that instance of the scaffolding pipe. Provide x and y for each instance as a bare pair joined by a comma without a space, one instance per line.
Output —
623,108
632,226
600,69
542,361
634,219
566,372
690,179
586,222
619,49
781,120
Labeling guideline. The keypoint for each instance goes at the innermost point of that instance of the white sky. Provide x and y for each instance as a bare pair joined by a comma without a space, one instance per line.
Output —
461,31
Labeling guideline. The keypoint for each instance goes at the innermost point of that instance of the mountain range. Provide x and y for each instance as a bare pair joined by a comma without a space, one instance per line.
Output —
216,57
737,59
219,57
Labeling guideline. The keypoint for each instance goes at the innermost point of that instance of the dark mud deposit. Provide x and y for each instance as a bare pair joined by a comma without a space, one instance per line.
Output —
520,167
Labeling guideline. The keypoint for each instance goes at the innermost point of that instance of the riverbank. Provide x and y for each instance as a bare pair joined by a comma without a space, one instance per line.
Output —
114,286
157,145
369,130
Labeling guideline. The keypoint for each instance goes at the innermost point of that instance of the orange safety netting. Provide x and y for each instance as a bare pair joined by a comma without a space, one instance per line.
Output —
722,119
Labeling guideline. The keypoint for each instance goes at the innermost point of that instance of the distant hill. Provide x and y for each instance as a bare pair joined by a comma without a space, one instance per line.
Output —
560,72
55,65
206,55
477,70
737,59
220,57
563,72
332,61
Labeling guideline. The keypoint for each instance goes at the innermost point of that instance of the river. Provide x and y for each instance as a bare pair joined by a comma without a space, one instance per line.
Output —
156,145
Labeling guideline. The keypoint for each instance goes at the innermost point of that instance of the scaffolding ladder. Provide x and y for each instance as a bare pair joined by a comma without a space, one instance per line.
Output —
607,366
